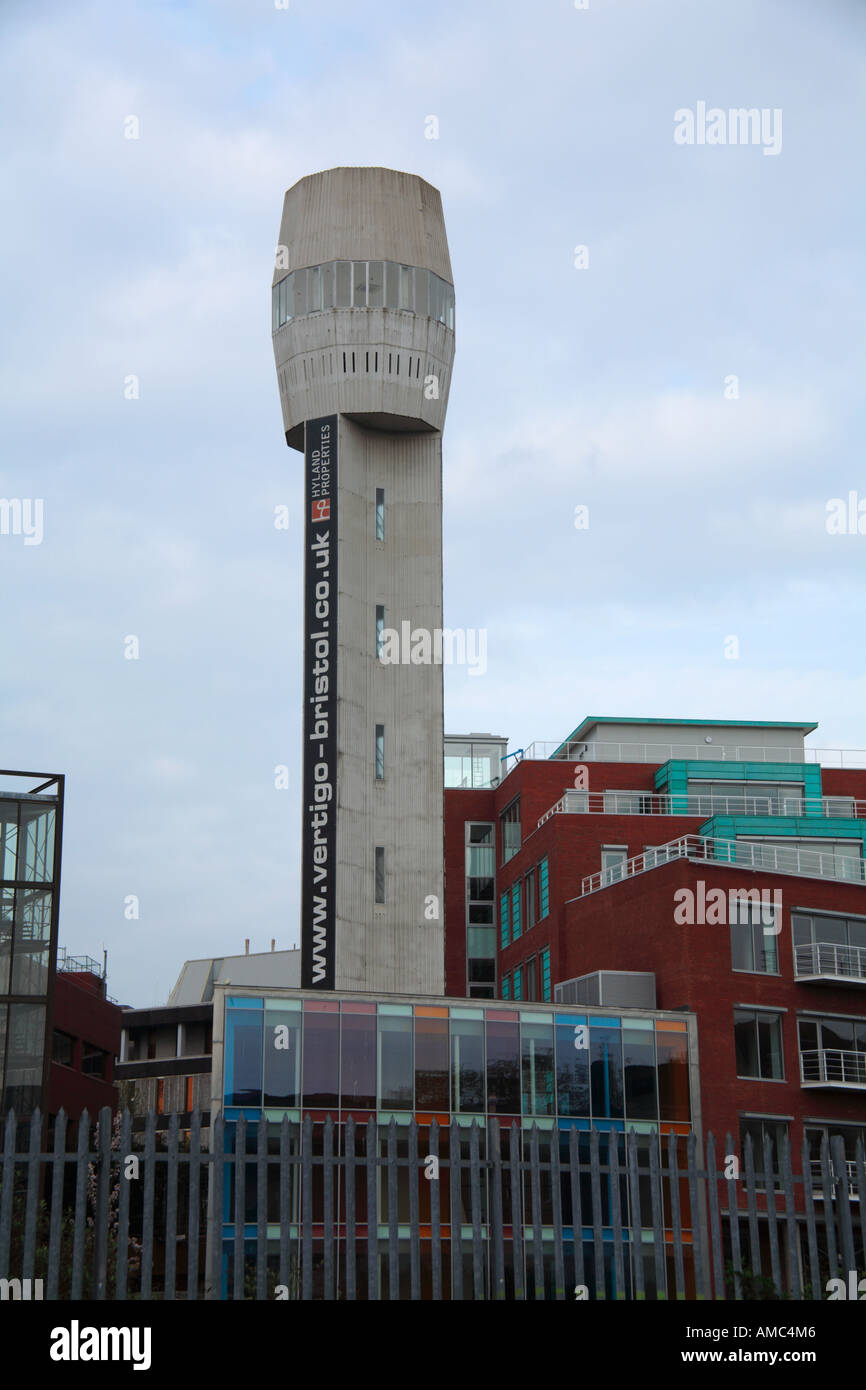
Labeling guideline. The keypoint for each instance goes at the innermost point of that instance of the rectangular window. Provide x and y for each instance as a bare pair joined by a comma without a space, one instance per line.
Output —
515,910
825,944
753,939
506,987
530,979
759,1130
518,982
758,1045
529,891
344,284
314,290
467,1064
504,924
545,972
392,287
380,628
160,1095
613,858
380,513
376,288
299,281
62,1049
359,284
380,752
328,286
380,873
543,890
93,1061
407,299
510,823
833,1050
189,1093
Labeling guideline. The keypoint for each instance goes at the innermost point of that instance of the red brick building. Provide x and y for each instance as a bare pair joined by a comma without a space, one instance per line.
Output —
85,1040
721,858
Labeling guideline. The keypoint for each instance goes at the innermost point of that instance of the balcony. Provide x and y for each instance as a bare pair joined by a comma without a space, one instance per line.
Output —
739,854
833,1069
826,961
835,1181
638,803
603,752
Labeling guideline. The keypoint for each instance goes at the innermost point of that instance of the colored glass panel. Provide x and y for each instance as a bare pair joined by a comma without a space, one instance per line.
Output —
606,1081
503,1067
243,1081
321,1060
282,1039
467,1065
395,1062
358,1051
639,1059
504,929
544,889
431,1061
537,1067
673,1075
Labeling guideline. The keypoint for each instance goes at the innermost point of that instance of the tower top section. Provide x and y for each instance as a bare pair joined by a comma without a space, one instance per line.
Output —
364,214
363,302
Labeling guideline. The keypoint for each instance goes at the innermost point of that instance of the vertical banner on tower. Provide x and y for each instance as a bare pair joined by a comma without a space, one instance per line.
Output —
319,818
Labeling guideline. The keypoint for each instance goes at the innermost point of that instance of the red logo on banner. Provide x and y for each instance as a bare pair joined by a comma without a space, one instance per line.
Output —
321,509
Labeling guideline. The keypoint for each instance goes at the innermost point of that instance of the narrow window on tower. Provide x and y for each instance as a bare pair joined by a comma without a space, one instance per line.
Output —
406,296
380,752
344,284
380,628
376,285
380,513
359,284
380,873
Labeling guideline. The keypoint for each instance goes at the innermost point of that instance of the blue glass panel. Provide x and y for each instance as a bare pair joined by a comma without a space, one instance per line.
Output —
243,1071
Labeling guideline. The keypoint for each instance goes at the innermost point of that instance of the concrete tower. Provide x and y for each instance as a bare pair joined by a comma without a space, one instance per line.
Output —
363,332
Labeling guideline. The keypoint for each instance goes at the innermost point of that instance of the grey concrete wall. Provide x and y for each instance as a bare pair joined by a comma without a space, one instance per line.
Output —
392,946
364,214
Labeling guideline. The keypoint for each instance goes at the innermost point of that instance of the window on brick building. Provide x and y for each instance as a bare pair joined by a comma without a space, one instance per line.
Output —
529,898
760,1127
510,823
758,1044
613,858
93,1061
754,939
62,1049
530,979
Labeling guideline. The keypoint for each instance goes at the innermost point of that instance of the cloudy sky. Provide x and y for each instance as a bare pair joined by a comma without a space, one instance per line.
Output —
608,386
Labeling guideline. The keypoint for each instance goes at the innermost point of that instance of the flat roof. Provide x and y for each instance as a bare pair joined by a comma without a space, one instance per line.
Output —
586,724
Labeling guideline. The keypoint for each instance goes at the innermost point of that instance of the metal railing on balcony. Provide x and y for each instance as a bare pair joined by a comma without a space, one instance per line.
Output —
831,961
638,803
818,1176
833,1066
742,854
604,752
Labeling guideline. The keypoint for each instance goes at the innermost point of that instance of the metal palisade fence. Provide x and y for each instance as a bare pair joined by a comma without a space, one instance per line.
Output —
301,1210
